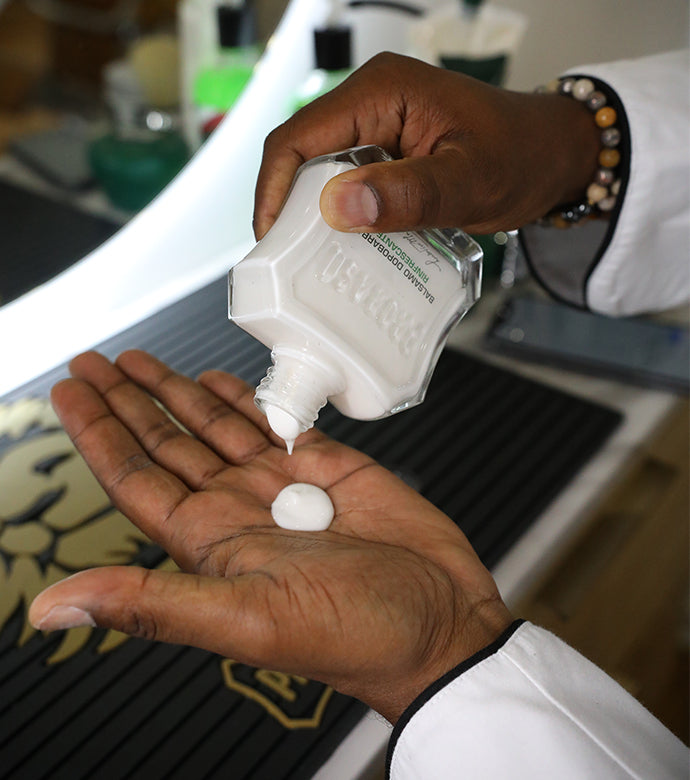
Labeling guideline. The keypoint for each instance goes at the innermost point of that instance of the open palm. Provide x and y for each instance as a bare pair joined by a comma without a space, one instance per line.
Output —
378,606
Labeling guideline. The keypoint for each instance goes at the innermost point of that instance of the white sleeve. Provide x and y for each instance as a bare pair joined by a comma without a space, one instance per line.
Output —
530,706
642,263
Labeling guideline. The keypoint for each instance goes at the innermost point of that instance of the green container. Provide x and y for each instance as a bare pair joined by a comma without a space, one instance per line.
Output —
132,171
219,88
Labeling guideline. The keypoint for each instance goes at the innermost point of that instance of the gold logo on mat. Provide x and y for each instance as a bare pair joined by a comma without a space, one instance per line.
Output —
295,702
55,519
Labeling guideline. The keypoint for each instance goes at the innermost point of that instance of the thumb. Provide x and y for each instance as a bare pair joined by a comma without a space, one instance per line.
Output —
210,613
408,194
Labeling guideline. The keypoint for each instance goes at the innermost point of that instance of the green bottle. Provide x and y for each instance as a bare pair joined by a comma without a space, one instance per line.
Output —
218,85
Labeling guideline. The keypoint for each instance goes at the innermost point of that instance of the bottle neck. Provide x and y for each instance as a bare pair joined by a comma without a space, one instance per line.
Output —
299,384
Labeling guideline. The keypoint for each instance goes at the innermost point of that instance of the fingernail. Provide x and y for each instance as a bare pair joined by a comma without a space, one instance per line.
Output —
352,205
61,617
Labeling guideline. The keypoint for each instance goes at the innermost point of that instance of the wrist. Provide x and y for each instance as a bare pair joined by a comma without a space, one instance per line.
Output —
552,148
447,679
574,148
488,622
600,195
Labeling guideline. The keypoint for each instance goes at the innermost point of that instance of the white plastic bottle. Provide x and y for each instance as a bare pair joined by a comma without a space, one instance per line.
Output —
357,319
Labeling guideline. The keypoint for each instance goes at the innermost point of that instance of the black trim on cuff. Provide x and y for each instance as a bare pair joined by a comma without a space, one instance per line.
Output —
442,682
624,148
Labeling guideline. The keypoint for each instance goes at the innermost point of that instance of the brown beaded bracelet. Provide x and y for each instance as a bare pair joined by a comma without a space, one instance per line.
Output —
601,195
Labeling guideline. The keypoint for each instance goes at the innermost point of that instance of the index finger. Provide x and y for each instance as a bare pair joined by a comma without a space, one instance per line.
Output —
294,142
141,489
364,109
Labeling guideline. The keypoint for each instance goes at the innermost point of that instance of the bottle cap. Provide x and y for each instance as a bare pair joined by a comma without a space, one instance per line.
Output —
333,48
235,26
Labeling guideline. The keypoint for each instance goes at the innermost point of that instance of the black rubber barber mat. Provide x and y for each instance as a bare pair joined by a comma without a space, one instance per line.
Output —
489,448
40,237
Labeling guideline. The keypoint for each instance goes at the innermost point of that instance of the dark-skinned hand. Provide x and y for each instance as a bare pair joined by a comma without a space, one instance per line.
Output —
379,606
470,155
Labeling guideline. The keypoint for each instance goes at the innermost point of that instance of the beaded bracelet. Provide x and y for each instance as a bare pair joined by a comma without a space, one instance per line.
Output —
601,195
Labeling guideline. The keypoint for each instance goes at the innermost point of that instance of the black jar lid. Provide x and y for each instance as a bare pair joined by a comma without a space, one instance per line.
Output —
333,48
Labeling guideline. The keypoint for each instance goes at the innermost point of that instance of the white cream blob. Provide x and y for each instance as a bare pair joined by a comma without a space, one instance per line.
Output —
302,507
284,425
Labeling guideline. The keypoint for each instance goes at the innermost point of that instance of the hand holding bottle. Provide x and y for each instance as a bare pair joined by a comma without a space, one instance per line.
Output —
472,156
380,605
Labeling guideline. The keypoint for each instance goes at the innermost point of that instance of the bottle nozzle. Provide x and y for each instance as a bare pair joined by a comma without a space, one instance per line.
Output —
293,391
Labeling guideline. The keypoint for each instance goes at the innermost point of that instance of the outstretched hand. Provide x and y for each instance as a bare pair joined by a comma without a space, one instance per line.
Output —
380,605
472,155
